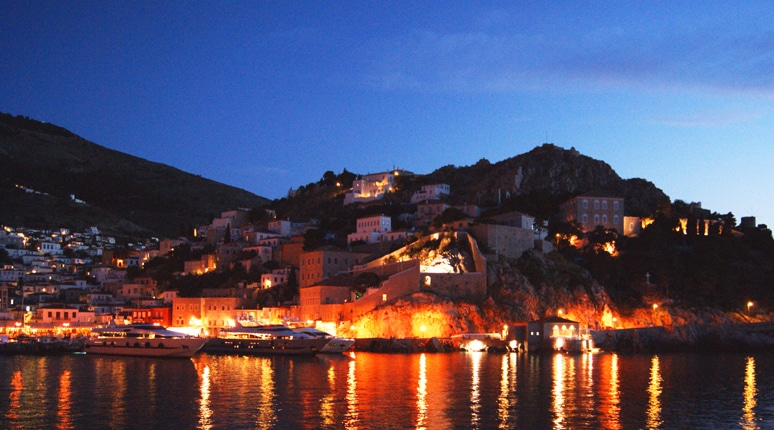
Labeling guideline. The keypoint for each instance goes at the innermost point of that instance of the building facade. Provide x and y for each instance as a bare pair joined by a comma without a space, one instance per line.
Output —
592,209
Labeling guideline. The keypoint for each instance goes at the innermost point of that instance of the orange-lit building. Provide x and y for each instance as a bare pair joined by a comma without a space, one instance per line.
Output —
161,315
318,265
210,313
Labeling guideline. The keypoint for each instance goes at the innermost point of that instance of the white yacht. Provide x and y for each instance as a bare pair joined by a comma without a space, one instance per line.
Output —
144,340
335,345
264,340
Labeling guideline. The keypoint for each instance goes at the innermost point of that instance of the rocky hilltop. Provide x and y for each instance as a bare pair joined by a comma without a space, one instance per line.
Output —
549,171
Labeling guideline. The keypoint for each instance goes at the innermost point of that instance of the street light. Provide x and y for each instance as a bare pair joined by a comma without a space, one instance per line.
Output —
749,306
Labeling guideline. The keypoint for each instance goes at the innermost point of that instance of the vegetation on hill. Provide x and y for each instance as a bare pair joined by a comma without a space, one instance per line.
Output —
123,194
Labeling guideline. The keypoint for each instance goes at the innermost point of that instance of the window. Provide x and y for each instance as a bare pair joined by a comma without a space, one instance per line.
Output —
585,218
585,204
596,204
616,219
596,218
615,205
604,219
604,204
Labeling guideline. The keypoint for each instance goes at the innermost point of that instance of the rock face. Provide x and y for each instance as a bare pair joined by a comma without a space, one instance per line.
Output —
690,337
513,299
562,172
423,315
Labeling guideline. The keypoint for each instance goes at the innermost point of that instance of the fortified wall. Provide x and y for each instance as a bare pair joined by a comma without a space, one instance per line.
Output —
467,285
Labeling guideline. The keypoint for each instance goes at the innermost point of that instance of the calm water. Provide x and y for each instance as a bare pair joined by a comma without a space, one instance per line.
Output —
368,390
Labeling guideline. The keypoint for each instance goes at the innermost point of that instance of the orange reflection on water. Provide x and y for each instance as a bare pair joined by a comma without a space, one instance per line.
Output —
558,391
507,386
351,419
475,393
119,384
750,396
654,393
327,403
64,403
17,385
610,399
205,413
422,392
266,416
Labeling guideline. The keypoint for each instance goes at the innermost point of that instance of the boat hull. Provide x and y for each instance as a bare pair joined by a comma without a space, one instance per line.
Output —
337,346
145,347
295,346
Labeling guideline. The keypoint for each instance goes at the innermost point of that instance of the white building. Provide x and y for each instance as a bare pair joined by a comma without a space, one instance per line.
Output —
286,228
375,229
50,248
276,277
431,192
371,187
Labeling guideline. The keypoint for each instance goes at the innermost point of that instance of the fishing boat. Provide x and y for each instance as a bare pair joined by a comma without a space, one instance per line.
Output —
142,340
335,345
264,340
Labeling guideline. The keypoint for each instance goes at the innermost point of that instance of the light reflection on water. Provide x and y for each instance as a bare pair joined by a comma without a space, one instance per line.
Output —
364,390
750,396
422,392
204,404
475,394
654,393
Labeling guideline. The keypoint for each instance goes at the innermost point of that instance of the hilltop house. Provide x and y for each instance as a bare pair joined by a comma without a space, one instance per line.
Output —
372,187
593,209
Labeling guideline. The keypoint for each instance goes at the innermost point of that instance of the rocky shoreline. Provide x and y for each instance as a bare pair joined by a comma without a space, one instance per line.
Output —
707,338
730,337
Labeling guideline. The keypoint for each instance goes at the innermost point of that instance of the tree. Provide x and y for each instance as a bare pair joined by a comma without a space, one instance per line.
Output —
449,215
4,257
363,282
313,239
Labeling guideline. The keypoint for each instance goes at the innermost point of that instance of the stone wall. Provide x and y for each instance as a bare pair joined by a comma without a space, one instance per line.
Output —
503,240
470,286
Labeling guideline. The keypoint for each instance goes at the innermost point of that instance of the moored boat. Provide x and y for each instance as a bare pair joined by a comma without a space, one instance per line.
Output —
264,340
40,345
335,345
142,340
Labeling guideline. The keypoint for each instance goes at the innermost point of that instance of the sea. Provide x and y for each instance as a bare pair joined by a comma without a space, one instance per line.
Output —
360,390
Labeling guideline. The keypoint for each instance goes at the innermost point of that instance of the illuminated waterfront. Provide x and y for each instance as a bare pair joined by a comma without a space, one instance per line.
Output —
368,390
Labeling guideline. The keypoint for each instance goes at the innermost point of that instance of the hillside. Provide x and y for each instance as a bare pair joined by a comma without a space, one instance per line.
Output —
124,195
535,182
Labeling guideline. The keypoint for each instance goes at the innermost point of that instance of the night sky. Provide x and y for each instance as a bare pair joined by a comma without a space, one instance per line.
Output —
268,95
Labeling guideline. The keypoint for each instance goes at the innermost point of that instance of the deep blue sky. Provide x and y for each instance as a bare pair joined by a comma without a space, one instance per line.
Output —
268,95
